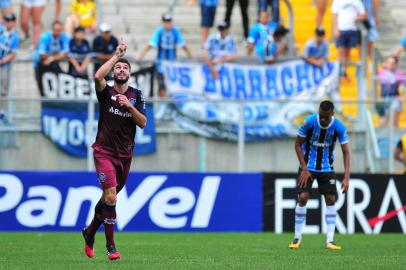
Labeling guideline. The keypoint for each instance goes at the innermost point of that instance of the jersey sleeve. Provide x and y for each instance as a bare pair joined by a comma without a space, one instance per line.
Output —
361,7
304,128
252,35
42,45
342,133
403,41
306,52
179,38
140,105
231,46
327,51
65,44
14,43
154,42
101,95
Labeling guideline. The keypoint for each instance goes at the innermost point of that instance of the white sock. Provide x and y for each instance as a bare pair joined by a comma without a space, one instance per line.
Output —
300,219
331,222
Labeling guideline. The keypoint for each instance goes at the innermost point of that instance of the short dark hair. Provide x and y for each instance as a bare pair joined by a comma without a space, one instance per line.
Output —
327,106
123,60
320,32
56,22
79,29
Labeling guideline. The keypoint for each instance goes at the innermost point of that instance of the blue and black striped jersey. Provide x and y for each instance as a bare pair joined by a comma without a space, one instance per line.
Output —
319,142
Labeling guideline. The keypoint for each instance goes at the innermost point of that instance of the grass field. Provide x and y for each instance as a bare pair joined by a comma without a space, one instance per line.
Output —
60,251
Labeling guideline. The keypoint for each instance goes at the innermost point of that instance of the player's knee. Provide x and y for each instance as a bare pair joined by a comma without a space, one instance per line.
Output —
330,199
303,198
110,197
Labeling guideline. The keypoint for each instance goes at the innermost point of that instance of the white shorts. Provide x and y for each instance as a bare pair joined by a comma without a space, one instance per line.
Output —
34,3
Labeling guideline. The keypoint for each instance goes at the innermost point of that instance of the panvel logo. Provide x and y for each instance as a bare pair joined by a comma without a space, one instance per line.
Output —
168,208
355,207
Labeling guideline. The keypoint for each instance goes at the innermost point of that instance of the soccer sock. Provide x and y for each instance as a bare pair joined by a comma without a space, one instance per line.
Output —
300,218
96,221
109,215
331,222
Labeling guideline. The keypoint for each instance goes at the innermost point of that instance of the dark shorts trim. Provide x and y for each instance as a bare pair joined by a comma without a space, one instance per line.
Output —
348,39
326,182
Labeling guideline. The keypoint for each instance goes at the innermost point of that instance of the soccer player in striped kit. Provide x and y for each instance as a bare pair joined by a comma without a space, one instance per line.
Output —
314,148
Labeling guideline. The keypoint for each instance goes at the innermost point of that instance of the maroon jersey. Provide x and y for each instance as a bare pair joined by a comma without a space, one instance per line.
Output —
116,128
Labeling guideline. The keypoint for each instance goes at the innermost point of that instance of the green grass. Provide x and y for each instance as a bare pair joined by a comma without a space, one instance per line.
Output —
60,251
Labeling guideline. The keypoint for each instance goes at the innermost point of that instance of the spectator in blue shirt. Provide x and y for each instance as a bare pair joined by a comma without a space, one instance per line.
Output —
53,47
316,51
9,40
219,48
268,39
104,46
79,54
9,44
166,39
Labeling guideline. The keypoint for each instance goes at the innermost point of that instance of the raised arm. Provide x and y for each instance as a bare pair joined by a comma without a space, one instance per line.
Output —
102,72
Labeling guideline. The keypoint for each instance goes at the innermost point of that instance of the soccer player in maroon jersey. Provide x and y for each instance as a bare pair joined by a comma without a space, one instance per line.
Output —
122,108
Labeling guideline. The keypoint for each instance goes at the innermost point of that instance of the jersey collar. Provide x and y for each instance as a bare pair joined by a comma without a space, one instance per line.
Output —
329,125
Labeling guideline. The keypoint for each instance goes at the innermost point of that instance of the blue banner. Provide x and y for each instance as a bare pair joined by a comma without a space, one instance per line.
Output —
64,201
67,126
298,84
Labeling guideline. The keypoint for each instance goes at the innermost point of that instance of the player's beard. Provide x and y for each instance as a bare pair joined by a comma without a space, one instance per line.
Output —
121,81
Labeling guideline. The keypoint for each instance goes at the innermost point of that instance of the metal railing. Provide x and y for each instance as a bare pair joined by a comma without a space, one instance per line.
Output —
246,156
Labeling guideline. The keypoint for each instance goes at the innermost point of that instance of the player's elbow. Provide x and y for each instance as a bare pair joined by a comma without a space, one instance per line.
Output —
142,124
98,76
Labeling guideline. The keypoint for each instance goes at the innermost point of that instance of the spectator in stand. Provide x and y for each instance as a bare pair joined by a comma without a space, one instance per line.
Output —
260,37
9,40
371,22
219,48
208,13
244,14
401,48
316,51
53,47
346,13
279,37
79,54
6,7
104,46
32,9
166,39
82,13
264,4
400,152
9,44
390,79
